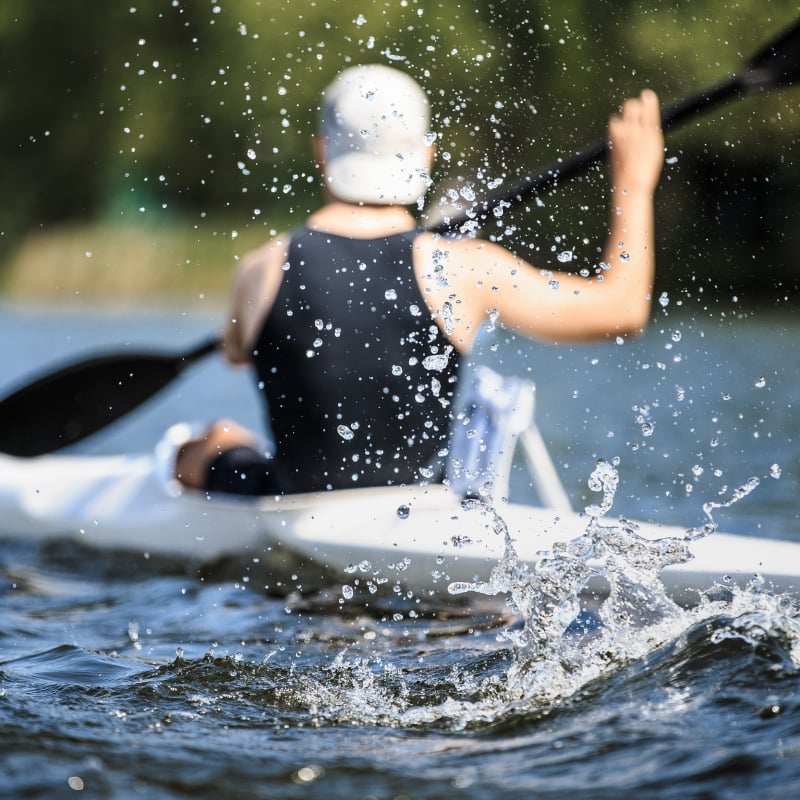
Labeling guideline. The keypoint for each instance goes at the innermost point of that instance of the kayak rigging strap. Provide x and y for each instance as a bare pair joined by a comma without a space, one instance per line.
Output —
496,418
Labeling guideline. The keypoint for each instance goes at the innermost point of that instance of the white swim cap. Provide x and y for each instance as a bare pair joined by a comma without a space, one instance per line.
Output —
374,122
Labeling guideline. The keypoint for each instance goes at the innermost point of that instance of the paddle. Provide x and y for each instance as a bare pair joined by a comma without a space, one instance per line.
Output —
75,401
79,399
775,64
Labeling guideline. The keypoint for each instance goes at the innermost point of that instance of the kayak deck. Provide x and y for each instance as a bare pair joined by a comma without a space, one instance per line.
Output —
420,536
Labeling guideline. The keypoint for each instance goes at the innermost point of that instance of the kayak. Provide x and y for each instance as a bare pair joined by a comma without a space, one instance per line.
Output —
423,538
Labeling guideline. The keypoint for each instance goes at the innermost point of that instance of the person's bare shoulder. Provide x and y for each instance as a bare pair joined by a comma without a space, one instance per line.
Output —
255,287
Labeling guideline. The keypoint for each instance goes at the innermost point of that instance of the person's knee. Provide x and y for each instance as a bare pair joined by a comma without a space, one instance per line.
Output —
225,433
195,457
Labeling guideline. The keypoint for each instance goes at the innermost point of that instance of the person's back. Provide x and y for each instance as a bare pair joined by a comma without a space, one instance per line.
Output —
359,379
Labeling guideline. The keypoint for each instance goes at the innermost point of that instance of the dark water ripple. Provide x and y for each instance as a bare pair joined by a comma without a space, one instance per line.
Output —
218,691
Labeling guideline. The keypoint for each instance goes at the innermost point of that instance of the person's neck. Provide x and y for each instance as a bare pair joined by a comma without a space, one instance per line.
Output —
361,221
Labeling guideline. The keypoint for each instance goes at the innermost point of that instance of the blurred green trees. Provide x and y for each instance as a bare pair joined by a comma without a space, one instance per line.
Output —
199,114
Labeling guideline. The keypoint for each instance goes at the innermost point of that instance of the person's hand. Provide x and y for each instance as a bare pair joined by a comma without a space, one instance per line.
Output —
636,144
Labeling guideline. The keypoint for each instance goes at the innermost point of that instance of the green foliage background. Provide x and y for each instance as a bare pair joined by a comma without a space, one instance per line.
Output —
194,118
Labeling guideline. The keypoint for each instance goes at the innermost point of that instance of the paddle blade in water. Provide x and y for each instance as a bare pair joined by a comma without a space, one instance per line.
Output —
68,405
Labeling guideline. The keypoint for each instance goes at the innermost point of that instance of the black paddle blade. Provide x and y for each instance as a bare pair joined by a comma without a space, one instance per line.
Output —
68,405
778,63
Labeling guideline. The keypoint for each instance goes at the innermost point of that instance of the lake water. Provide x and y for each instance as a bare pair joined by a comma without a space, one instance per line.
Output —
124,678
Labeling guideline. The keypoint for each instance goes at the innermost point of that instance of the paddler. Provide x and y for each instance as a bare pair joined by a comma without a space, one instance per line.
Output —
356,323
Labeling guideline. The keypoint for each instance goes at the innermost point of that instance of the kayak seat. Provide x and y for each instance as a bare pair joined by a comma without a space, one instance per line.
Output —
496,417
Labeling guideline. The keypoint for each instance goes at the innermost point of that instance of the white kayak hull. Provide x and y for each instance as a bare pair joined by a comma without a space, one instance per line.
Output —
419,536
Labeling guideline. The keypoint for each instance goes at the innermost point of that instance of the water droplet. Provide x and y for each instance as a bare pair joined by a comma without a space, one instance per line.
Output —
345,432
436,362
625,256
676,336
403,511
775,471
447,317
761,382
390,294
565,256
663,299
397,369
347,592
251,154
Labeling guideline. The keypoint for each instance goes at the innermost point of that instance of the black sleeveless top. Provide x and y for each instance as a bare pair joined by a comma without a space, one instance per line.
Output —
357,375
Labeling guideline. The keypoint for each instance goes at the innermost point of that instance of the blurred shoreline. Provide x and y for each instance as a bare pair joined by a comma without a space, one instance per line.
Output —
127,264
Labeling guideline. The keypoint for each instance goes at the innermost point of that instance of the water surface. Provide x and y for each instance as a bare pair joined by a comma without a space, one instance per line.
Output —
124,676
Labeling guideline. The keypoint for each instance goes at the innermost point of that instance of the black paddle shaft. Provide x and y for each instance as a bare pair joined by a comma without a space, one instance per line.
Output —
68,405
776,64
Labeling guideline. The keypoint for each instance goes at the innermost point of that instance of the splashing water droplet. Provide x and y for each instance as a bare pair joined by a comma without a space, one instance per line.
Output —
468,193
447,318
436,362
345,432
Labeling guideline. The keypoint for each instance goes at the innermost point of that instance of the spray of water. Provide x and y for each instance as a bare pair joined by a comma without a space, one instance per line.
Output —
586,608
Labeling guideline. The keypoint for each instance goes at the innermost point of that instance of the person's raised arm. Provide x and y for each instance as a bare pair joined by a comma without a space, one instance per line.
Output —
635,159
558,306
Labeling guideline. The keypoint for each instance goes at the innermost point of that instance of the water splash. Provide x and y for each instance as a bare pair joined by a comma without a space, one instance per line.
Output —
570,634
585,610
